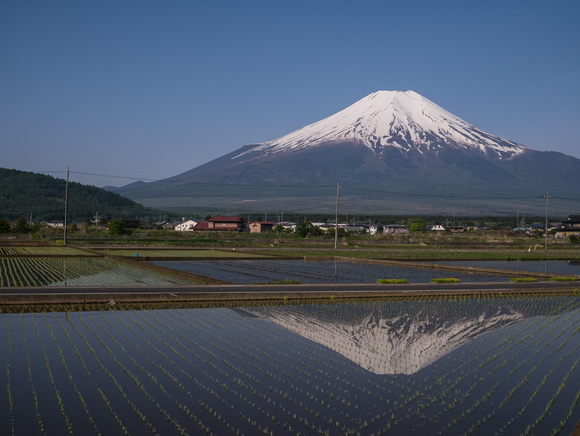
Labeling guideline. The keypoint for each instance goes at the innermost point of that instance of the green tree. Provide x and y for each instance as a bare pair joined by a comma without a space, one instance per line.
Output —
21,225
116,227
307,229
341,232
417,225
4,226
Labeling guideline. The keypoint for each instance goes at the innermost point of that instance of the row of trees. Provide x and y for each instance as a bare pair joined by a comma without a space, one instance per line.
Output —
21,226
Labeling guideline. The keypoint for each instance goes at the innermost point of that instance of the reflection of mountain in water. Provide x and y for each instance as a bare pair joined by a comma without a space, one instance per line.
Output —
385,340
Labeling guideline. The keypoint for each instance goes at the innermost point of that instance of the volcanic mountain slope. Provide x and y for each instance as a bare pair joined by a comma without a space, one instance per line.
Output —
392,140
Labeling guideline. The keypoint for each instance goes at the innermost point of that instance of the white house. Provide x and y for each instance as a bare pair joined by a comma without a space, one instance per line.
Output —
186,226
395,229
437,228
54,224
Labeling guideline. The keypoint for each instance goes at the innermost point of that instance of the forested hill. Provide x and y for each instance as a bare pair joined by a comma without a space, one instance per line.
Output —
23,192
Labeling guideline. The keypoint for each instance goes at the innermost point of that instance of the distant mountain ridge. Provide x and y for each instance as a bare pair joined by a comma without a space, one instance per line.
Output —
388,141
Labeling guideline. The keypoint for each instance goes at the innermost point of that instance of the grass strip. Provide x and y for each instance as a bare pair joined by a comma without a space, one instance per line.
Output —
446,280
392,281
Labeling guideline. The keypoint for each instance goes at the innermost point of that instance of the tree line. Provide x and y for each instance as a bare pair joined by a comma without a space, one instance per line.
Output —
41,196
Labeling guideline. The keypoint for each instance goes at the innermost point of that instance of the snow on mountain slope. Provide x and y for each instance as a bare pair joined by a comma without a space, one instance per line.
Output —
400,345
405,120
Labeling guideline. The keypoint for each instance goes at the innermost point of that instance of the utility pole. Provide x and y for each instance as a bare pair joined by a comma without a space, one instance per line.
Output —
336,222
66,205
547,197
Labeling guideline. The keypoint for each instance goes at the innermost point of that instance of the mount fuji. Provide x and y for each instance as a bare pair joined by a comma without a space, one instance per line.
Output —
406,121
390,144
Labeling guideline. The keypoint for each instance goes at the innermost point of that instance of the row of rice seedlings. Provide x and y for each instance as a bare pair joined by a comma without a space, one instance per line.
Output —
275,379
253,380
502,365
550,403
328,391
363,424
8,378
40,251
260,396
567,418
526,378
309,395
449,384
541,385
182,385
185,348
42,271
195,364
88,373
13,251
130,374
70,377
175,378
39,420
120,388
59,398
171,376
7,277
489,395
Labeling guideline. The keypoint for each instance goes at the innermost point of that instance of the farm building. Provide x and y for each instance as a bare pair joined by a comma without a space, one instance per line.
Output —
186,226
395,229
236,223
261,226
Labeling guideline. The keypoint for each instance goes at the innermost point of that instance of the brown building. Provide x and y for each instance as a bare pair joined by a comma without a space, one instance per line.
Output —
235,223
261,226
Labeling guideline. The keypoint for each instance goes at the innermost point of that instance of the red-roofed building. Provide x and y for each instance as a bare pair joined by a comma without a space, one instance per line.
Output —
236,223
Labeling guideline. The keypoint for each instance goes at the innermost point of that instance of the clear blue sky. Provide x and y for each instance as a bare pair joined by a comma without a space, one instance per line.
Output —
150,89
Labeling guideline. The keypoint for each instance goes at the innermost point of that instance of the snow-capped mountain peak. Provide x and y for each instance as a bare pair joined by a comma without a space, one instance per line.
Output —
405,120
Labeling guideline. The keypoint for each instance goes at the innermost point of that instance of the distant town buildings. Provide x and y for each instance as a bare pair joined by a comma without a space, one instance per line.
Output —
565,228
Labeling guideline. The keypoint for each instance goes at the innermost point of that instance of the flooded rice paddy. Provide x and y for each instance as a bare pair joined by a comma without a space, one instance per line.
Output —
78,271
569,267
461,366
263,271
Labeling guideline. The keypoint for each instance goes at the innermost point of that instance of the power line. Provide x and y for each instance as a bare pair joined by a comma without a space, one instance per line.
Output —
98,175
